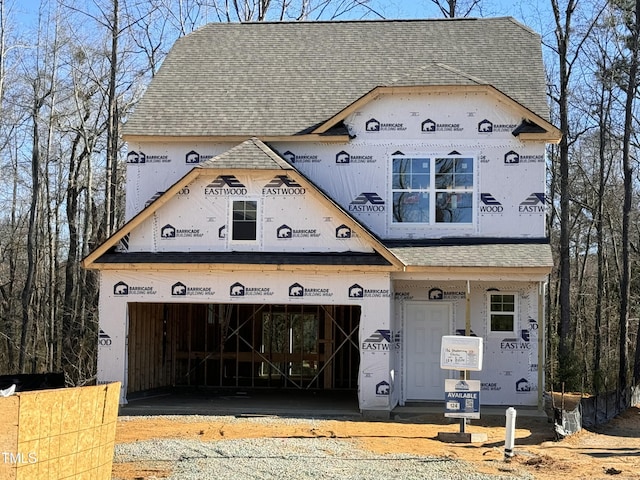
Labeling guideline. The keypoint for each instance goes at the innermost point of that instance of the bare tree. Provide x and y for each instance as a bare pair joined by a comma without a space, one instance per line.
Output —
456,8
633,42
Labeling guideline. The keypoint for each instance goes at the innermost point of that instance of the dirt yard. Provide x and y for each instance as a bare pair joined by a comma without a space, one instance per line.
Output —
613,451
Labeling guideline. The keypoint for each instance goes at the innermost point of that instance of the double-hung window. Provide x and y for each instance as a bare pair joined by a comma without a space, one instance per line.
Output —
432,189
502,312
244,220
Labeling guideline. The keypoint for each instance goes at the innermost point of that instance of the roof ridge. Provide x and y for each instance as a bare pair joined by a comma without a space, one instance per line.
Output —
364,20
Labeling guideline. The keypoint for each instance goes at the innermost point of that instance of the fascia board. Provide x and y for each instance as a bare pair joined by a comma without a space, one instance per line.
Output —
243,267
237,139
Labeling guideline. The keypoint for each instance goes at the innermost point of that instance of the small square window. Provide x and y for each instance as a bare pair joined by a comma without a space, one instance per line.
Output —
502,312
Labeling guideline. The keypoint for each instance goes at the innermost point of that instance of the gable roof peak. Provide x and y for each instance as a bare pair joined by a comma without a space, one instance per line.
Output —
252,154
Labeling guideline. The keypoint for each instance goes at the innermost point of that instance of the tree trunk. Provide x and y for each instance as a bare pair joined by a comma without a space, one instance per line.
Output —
564,330
625,282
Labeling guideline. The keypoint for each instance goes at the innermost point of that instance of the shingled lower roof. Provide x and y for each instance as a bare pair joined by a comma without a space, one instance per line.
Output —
527,255
287,78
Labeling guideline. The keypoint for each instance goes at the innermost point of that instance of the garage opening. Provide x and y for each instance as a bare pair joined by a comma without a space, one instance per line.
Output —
230,345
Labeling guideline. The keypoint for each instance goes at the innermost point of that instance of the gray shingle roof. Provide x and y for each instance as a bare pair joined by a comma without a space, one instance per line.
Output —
251,154
490,256
271,79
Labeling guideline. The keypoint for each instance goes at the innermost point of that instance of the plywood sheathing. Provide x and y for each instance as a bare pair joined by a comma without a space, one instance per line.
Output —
59,434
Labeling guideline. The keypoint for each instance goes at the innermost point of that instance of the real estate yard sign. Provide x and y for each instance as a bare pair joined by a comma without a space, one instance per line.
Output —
462,398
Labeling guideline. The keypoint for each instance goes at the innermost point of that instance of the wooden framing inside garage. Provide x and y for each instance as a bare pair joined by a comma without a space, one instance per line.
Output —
242,345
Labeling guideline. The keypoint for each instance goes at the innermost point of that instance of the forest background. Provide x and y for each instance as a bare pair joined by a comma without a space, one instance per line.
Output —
71,71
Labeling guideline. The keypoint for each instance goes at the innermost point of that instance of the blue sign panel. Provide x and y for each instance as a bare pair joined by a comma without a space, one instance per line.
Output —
462,398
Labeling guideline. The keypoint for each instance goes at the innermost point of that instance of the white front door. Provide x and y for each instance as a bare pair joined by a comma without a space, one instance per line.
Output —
425,324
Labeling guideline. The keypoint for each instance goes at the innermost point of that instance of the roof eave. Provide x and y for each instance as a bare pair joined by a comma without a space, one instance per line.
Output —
240,267
309,137
553,137
530,270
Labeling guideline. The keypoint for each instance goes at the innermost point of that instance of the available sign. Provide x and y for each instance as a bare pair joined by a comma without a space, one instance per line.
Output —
461,353
462,398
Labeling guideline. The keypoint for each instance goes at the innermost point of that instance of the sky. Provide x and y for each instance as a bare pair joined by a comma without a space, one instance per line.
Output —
536,14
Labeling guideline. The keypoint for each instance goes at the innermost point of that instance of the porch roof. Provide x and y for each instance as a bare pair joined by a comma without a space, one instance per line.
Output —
489,255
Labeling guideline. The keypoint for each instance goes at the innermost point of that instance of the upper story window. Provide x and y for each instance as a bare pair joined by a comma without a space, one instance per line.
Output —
502,312
244,220
433,190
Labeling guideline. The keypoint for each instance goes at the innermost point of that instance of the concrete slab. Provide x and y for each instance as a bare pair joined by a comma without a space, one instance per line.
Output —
243,402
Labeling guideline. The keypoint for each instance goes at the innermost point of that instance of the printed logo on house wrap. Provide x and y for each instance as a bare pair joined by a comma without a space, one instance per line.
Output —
430,126
293,158
140,157
489,204
531,158
534,203
367,202
286,232
225,185
514,344
343,158
121,289
436,294
490,387
486,126
194,157
179,289
297,290
511,158
283,185
104,340
356,291
378,340
383,341
343,231
136,157
524,386
373,125
382,388
170,232
239,290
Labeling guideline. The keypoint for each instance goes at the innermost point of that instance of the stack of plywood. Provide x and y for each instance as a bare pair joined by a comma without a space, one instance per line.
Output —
66,433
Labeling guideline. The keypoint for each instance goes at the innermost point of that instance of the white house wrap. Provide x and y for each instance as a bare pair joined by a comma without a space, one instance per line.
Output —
323,228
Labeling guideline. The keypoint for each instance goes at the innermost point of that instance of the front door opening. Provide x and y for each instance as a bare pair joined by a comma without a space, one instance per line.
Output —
425,323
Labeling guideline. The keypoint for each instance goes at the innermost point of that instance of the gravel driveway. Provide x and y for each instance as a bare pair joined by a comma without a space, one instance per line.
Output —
290,458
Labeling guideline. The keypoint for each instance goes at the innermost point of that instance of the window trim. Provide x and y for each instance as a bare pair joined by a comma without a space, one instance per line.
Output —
433,191
230,222
514,329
